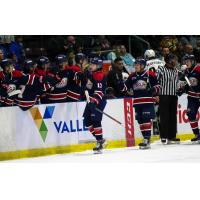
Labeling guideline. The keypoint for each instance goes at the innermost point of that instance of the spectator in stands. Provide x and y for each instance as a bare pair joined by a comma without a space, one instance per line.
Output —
102,42
128,59
16,63
1,55
1,58
114,54
188,49
16,50
70,45
3,46
115,76
164,52
170,41
180,51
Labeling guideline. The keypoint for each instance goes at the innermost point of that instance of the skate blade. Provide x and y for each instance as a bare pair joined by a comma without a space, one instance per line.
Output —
144,148
196,142
98,152
171,143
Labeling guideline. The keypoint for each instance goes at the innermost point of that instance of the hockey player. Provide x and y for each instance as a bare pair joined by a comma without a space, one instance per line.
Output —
96,85
144,85
75,79
41,70
42,67
153,63
192,72
31,87
8,79
59,80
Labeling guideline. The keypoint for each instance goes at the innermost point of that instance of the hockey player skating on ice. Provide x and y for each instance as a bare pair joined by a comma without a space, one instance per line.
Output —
96,84
145,86
192,73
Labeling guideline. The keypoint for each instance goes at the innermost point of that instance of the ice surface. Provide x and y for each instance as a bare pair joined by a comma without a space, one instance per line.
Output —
184,152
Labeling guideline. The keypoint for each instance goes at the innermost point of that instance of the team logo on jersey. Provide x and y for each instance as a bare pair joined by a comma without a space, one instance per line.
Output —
193,81
140,85
39,119
62,83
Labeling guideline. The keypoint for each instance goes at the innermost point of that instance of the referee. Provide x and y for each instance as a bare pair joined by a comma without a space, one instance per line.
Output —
168,79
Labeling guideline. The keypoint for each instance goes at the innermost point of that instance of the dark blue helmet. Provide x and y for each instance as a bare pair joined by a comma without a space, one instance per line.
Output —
42,61
188,57
141,61
6,62
28,64
60,59
79,57
97,61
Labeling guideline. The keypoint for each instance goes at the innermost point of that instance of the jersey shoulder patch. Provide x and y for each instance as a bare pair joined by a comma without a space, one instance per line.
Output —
2,75
74,68
151,73
17,74
98,76
197,68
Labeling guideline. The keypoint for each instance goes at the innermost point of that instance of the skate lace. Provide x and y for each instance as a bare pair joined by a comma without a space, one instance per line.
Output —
145,141
98,144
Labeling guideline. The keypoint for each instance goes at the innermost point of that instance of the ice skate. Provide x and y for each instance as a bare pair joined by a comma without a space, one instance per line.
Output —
145,144
101,144
196,139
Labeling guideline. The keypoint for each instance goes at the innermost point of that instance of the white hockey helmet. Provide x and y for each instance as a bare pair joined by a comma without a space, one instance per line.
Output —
149,54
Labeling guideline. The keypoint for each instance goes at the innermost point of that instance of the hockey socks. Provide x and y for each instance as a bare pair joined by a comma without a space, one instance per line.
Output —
195,127
145,128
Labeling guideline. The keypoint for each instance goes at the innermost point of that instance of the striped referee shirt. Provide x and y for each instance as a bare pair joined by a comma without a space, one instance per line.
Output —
168,79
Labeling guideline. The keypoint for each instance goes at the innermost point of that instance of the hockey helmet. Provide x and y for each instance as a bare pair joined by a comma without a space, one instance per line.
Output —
6,62
28,64
140,61
97,61
79,57
41,61
60,59
150,53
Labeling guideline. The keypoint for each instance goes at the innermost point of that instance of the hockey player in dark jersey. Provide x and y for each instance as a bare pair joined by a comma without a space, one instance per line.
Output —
42,67
75,79
144,85
41,71
59,80
8,79
25,87
31,87
192,74
96,85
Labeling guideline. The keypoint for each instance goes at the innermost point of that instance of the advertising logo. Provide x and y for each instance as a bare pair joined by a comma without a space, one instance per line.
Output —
40,120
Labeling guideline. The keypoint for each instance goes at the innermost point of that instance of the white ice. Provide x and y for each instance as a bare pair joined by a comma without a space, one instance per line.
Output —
180,153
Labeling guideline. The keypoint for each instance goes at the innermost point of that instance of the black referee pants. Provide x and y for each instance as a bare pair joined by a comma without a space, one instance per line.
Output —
168,116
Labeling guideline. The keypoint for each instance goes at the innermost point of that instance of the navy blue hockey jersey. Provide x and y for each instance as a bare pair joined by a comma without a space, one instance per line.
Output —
96,85
194,77
144,86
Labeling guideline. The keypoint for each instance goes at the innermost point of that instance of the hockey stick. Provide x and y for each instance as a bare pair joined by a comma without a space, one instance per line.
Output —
97,109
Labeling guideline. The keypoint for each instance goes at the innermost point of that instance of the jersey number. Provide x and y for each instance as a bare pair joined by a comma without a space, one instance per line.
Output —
99,85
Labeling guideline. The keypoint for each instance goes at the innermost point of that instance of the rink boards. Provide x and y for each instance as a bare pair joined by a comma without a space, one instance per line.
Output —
59,128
